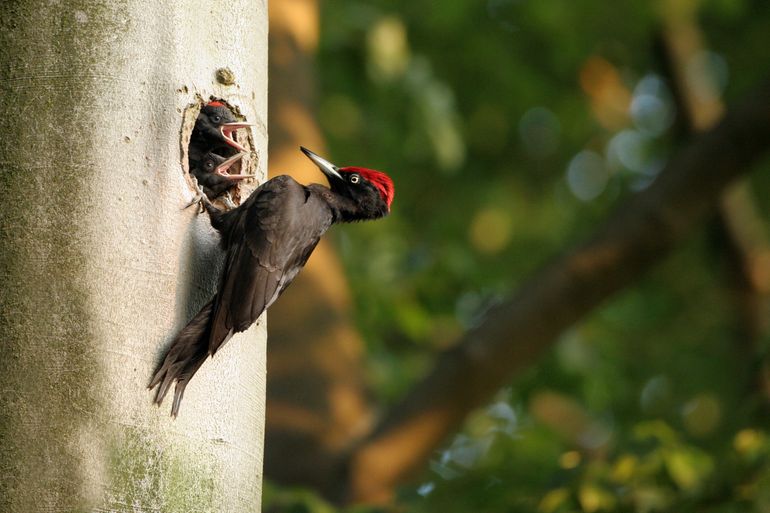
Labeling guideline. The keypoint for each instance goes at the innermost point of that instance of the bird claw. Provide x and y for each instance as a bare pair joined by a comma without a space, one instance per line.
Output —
200,199
195,201
229,201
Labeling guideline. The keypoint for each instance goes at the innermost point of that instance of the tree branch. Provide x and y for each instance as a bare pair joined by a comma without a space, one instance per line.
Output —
516,332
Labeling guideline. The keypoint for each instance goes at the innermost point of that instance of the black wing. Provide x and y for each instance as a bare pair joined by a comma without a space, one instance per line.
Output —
267,244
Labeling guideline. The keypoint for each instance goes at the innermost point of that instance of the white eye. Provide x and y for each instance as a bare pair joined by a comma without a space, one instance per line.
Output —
355,178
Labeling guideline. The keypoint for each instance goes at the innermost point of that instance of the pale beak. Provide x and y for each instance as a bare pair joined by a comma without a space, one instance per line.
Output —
227,130
222,168
324,165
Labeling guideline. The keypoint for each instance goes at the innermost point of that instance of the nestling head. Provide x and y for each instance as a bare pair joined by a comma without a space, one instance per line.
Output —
216,124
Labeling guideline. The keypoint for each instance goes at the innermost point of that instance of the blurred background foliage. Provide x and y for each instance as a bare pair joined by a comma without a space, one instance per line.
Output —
511,129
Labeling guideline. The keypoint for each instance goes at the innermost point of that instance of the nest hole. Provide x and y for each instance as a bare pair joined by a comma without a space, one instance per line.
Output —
215,154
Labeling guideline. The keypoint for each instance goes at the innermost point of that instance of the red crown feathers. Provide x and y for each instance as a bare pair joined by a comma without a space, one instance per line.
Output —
380,180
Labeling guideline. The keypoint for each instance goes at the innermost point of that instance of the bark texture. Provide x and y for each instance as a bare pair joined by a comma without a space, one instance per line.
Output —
100,265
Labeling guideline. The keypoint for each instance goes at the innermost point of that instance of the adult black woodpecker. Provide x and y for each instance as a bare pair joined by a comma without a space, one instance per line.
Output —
212,173
267,240
213,131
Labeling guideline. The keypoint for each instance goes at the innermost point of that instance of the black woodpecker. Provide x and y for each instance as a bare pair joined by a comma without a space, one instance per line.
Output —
267,240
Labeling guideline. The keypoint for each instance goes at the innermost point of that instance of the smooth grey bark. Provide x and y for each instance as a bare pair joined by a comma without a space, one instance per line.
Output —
99,265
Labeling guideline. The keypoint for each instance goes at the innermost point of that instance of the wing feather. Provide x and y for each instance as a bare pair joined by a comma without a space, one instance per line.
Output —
277,230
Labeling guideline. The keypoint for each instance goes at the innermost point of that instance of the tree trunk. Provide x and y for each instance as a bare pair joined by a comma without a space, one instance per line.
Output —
100,266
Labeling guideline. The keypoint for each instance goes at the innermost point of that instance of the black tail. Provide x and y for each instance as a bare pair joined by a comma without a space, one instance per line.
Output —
185,356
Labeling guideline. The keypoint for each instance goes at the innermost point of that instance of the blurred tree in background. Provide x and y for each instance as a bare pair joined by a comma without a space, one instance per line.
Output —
317,396
514,129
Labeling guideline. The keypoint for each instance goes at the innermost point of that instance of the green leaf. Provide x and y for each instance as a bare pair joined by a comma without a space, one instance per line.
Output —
688,467
593,498
553,500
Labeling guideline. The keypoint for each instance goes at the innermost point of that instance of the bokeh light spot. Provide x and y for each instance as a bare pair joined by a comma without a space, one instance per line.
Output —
426,488
569,459
652,108
388,48
490,230
651,114
702,414
610,98
749,441
631,149
587,175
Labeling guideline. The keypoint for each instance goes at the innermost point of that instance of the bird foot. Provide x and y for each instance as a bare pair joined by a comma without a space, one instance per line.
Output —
229,201
200,199
195,201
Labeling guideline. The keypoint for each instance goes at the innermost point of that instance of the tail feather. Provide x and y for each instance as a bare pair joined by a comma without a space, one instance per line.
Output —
187,353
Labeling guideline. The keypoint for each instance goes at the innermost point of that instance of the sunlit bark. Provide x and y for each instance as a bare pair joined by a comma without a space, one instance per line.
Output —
100,265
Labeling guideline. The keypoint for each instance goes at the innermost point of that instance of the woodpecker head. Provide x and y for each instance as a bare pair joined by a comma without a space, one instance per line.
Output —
214,164
370,191
216,124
